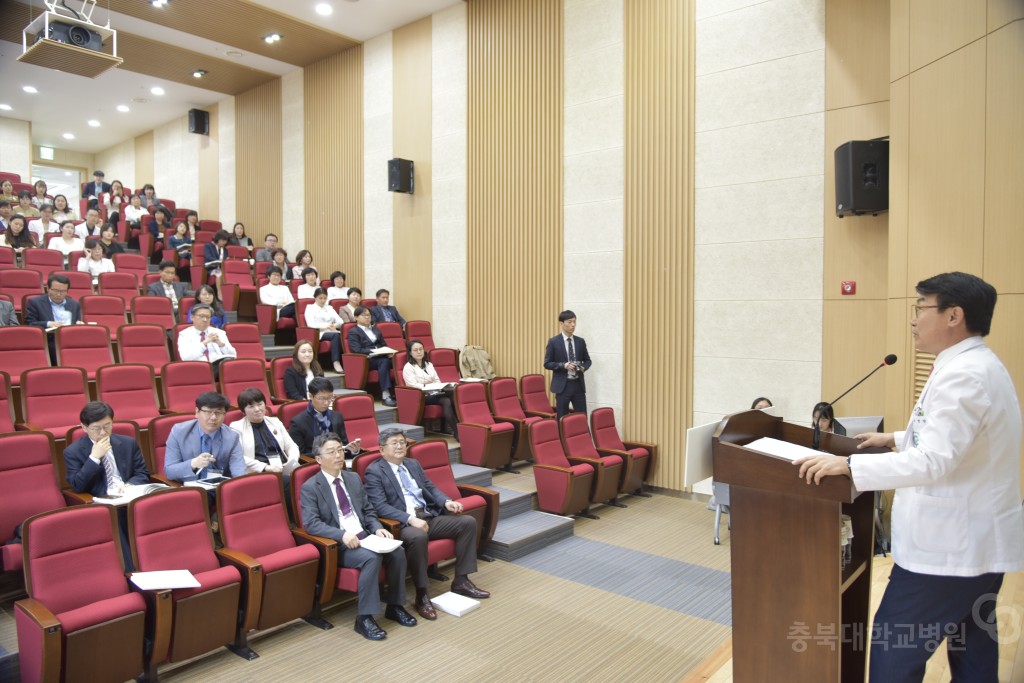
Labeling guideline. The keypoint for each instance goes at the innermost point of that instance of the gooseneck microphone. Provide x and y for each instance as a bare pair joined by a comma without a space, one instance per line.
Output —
888,360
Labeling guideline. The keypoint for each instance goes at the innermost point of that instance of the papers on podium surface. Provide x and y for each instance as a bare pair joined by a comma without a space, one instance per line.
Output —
455,604
782,449
130,494
379,544
171,578
382,351
698,453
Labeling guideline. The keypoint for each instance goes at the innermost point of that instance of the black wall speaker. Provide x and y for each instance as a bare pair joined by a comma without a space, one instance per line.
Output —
862,177
198,121
400,176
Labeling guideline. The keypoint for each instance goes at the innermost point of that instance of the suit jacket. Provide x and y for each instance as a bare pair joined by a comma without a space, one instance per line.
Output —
212,253
302,430
346,315
295,385
289,451
8,318
320,513
183,445
555,358
91,190
40,314
385,493
360,343
85,475
377,314
157,289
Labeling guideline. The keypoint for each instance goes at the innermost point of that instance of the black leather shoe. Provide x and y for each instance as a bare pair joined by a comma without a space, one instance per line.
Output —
425,607
399,614
469,590
367,627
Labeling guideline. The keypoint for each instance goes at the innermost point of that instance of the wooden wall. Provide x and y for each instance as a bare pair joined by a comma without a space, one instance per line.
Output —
258,160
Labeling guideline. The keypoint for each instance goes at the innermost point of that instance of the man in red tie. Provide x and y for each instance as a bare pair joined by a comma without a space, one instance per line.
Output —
204,342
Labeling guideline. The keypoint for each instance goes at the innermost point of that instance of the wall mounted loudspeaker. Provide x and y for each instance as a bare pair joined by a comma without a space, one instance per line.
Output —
400,176
198,121
862,177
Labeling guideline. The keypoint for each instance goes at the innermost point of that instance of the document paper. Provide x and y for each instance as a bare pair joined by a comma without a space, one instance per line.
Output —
782,449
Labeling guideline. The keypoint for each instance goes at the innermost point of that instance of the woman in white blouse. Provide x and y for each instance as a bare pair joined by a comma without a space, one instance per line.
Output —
307,290
419,372
337,290
266,445
320,316
67,242
95,262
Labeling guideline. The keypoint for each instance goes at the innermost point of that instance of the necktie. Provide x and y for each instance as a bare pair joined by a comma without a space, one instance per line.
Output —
408,485
572,351
206,349
205,446
114,480
387,315
346,507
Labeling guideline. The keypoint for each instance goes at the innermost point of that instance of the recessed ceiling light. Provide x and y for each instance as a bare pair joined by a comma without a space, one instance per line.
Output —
123,108
156,90
69,136
30,90
94,123
199,73
272,38
158,3
5,107
324,10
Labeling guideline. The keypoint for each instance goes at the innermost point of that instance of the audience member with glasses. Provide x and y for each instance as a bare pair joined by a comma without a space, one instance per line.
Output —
319,418
204,448
53,309
203,342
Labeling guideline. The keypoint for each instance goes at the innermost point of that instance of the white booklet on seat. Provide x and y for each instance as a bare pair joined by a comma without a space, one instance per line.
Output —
382,351
455,604
172,578
130,493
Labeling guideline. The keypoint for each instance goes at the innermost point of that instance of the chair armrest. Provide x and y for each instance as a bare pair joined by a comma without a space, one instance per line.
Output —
327,577
230,298
411,403
474,425
47,639
28,427
625,455
159,620
162,479
538,413
487,494
593,462
517,421
392,525
554,468
266,318
307,459
252,583
40,614
76,498
640,444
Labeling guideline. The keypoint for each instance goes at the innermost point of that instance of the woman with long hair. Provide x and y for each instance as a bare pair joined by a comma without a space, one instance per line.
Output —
303,370
419,372
62,211
207,296
19,238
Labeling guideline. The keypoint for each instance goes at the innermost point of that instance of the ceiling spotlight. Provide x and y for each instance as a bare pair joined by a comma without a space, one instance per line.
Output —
123,108
5,107
94,123
324,10
158,3
69,136
272,38
156,90
30,90
199,73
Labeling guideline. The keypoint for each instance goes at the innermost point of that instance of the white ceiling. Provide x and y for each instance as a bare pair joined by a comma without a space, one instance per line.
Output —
65,102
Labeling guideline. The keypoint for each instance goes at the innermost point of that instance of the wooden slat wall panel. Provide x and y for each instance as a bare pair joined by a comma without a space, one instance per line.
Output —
659,228
333,94
258,160
514,186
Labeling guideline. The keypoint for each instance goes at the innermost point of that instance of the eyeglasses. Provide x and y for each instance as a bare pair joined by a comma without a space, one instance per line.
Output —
330,451
396,444
213,413
918,308
54,290
99,429
324,398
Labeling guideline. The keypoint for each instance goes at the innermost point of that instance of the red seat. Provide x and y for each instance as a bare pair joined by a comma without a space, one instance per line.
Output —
641,456
211,226
504,400
46,261
6,405
420,329
83,346
278,366
6,256
237,252
29,484
124,285
358,374
81,625
289,410
109,311
171,530
81,283
563,484
253,522
238,272
153,309
73,259
52,398
132,263
412,403
13,177
535,396
479,502
246,339
143,343
485,441
303,333
130,390
19,283
237,374
610,470
360,419
392,333
159,431
121,427
184,306
22,347
183,381
446,364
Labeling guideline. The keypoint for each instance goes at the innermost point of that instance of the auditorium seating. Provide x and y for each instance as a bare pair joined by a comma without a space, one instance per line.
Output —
29,484
360,419
245,337
485,441
81,283
124,285
109,311
504,401
132,263
412,403
130,390
392,333
45,261
446,364
609,470
143,343
6,404
159,431
358,374
22,347
237,374
278,366
643,456
421,330
153,309
182,382
536,402
288,411
83,346
21,283
52,398
563,485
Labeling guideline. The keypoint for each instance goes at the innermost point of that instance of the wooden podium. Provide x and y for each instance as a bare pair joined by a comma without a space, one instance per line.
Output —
796,614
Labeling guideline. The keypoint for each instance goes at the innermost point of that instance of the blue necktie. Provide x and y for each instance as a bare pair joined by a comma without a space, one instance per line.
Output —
411,488
205,446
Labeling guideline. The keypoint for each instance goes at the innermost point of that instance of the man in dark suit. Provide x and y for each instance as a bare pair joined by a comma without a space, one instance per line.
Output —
334,506
167,287
103,463
94,189
318,418
53,309
364,338
399,489
567,358
382,313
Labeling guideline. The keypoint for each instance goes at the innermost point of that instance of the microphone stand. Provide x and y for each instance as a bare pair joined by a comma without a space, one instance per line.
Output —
816,438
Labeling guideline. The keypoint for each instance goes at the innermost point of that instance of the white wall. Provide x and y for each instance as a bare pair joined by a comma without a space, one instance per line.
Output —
293,232
176,163
118,163
378,214
16,148
759,205
226,160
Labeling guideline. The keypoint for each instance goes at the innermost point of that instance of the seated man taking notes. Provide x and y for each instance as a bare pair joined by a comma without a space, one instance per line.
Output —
205,447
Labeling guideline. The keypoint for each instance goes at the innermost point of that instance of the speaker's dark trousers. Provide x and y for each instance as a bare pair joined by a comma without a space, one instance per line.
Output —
572,393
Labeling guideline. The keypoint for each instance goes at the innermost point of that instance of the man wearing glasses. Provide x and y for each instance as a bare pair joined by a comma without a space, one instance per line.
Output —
319,418
103,463
399,489
203,342
205,447
53,309
956,518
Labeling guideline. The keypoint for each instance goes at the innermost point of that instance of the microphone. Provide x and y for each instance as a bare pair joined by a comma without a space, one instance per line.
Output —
888,360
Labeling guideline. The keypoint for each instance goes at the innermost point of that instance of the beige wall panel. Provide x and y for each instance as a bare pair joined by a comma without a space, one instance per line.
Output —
855,246
1002,12
413,240
899,39
1008,343
947,164
514,186
258,159
68,158
856,52
144,163
1004,159
333,94
898,378
209,168
940,27
659,227
899,153
853,346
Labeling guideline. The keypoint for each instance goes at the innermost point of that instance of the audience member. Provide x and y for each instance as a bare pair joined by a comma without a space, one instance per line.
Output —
114,201
95,189
321,316
7,191
39,196
337,290
239,238
303,370
8,316
91,227
311,283
103,463
335,506
204,447
277,295
148,195
192,223
825,417
62,211
6,213
135,213
158,224
95,262
279,257
44,224
399,489
214,254
348,311
567,358
419,372
269,245
319,418
760,403
266,446
68,241
205,343
167,287
303,260
53,309
364,339
207,296
108,239
18,237
181,243
383,313
25,206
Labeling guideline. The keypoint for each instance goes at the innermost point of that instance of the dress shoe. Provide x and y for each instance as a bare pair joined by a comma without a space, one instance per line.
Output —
390,402
367,627
398,613
425,607
469,590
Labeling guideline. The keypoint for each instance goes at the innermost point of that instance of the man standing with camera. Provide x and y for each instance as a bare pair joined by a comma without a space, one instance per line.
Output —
567,357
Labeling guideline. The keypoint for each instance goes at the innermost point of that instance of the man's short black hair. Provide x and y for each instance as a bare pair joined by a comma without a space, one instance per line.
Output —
356,290
168,264
269,235
248,397
94,411
319,385
56,277
381,291
976,297
386,434
24,193
359,310
274,269
45,207
565,315
92,242
212,400
98,173
4,203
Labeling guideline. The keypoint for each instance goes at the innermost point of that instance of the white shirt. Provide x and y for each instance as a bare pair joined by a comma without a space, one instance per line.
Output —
565,340
66,248
94,267
276,295
41,230
306,291
957,510
133,215
280,434
337,293
190,348
82,230
169,293
319,317
415,376
349,522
